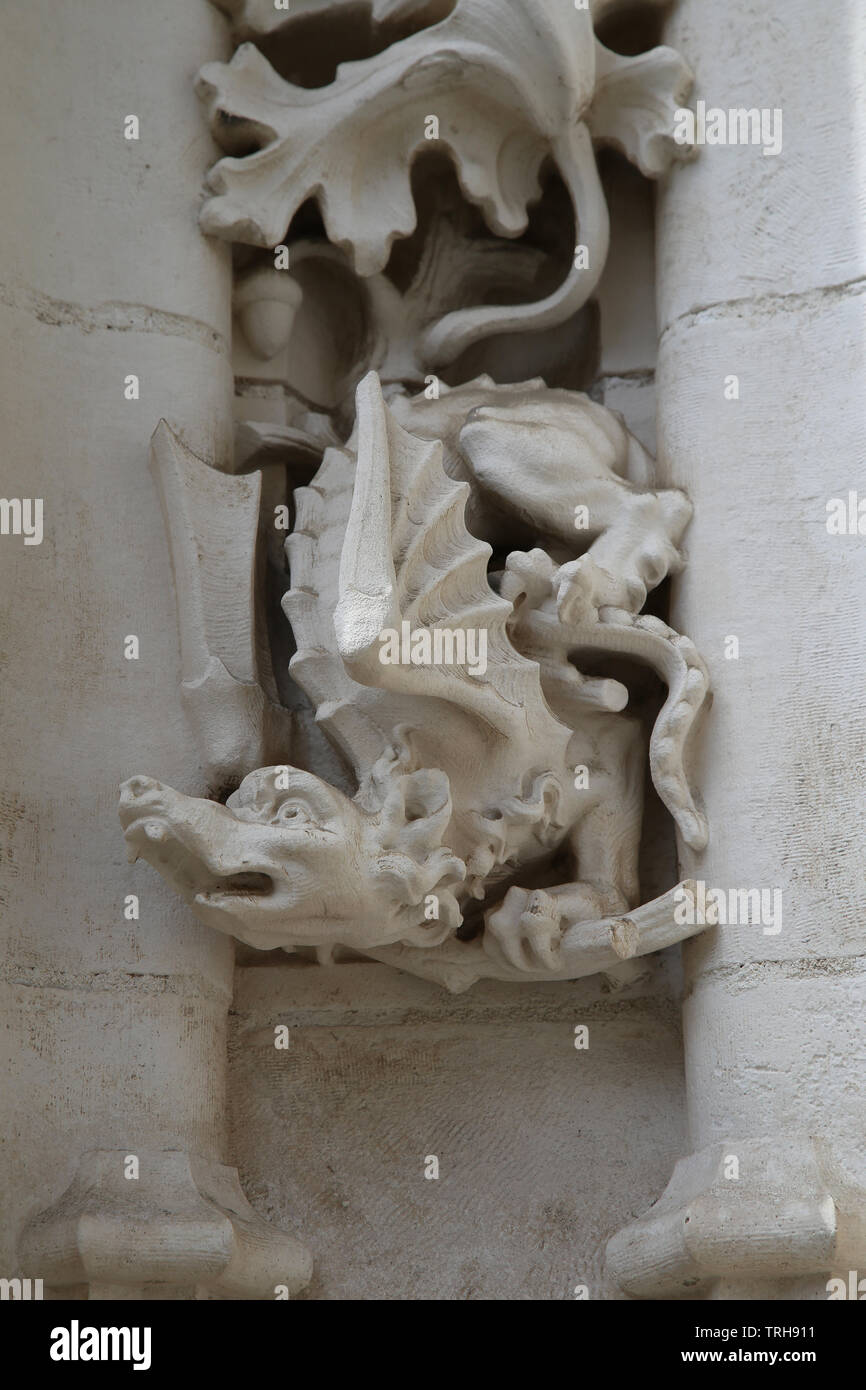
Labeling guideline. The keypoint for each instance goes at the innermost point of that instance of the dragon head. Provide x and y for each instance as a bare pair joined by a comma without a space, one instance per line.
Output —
291,861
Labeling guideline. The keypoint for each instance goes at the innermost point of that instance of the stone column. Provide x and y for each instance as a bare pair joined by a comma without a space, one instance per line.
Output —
762,277
115,1024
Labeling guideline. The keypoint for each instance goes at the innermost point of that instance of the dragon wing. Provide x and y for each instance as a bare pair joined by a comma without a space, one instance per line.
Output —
410,568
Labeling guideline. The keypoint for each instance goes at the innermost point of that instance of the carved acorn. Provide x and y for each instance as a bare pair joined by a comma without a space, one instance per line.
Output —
266,300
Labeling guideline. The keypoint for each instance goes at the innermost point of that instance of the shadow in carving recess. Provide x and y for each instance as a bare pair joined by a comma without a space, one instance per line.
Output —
631,28
455,258
308,50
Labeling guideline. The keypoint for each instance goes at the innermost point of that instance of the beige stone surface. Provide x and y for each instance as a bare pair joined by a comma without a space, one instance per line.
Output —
543,1149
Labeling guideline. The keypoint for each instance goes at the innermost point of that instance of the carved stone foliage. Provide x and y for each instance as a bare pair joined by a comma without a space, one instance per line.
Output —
456,778
498,89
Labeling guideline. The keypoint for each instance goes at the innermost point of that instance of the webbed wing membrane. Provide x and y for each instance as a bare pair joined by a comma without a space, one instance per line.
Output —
409,567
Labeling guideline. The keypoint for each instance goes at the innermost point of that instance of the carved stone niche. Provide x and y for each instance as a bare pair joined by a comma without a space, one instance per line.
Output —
427,719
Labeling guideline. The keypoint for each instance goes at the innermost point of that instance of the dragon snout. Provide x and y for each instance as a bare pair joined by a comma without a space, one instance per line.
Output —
135,787
149,812
140,795
196,844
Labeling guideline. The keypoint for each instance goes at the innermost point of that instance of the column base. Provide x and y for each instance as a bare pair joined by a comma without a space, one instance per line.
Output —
796,1209
182,1228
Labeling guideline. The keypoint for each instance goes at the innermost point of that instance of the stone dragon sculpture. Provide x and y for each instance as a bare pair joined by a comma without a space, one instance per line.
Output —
466,783
495,821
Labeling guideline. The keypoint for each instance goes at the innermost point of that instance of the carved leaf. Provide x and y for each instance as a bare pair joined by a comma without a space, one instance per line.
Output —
351,145
635,103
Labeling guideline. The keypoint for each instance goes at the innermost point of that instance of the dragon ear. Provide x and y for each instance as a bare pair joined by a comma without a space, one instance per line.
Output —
410,570
416,811
411,856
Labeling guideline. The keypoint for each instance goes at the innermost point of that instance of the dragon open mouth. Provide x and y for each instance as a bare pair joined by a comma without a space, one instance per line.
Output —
206,883
247,884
